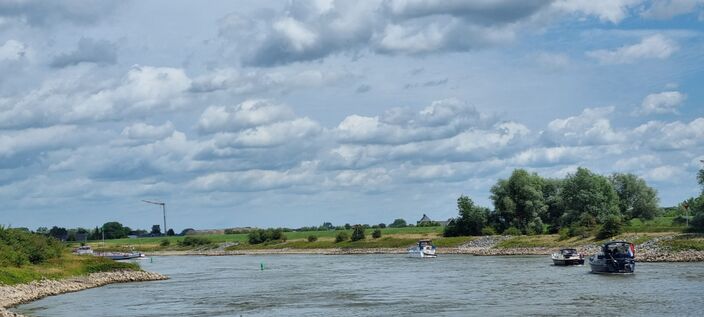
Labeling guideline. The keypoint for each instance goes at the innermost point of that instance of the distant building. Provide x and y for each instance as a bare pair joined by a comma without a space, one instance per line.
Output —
426,220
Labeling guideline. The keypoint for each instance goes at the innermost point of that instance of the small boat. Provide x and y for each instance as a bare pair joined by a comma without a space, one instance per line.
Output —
424,249
567,257
121,256
614,257
83,250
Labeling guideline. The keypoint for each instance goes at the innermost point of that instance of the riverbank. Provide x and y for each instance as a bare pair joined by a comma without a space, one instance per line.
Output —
649,248
23,293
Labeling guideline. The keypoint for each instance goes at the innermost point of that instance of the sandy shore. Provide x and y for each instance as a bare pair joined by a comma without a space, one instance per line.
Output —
19,294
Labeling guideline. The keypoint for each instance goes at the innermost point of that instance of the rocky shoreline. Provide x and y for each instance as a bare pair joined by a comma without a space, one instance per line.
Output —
649,251
19,294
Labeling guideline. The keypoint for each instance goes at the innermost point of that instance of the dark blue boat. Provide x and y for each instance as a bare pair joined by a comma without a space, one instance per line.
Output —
614,257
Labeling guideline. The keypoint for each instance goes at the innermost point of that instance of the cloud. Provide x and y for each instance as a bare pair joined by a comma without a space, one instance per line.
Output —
613,11
143,131
255,179
75,97
45,13
20,141
651,47
664,102
667,9
13,51
248,114
667,136
591,127
307,31
442,119
88,51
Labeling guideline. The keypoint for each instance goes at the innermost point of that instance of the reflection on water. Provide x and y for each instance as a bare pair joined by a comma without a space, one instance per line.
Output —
387,285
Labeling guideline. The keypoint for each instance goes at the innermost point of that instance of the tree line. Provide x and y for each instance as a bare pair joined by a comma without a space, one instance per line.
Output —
583,203
109,230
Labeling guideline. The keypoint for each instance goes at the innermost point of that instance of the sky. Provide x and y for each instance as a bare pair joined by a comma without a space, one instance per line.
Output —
294,113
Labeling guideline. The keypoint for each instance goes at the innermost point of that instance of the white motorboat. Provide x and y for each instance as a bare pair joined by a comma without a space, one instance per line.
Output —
424,249
567,257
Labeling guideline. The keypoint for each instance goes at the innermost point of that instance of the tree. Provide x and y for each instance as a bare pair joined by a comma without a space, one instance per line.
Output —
553,215
636,198
156,230
588,198
376,234
43,230
520,199
358,233
382,225
398,223
611,227
58,233
348,226
327,226
115,230
170,232
471,219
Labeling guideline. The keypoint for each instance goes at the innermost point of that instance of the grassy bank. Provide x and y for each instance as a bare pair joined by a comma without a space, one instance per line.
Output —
636,230
58,268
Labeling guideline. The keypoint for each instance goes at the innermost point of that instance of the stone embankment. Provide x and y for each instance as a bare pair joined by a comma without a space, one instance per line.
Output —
648,251
24,293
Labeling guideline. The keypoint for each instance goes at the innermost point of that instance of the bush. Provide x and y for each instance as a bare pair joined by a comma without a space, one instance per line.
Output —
165,243
564,233
488,231
579,231
19,247
312,238
194,241
512,231
612,226
376,234
265,235
358,233
679,220
697,223
341,236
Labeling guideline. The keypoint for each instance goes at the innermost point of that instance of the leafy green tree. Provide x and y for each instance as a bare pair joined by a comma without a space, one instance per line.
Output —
115,230
382,225
156,230
376,234
553,215
611,227
58,233
520,198
588,198
170,232
636,198
398,223
357,233
348,226
471,219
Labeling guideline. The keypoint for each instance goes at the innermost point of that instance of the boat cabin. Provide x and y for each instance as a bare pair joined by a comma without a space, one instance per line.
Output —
618,249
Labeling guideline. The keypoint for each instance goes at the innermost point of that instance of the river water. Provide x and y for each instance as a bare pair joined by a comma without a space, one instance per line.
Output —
387,285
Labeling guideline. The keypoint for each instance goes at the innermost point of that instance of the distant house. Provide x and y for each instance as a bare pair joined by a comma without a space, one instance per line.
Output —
426,220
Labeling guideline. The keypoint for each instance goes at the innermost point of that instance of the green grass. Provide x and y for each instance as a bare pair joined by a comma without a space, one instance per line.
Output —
150,244
545,241
685,243
658,224
67,266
